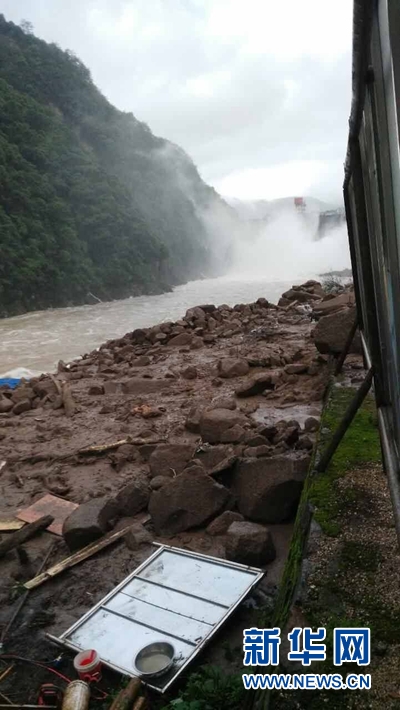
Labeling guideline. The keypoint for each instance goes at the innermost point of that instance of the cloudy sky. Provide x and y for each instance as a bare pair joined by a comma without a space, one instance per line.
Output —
256,91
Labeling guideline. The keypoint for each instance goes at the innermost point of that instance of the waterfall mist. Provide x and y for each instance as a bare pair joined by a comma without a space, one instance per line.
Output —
288,248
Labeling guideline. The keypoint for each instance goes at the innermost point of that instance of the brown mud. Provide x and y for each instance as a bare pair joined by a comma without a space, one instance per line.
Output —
152,387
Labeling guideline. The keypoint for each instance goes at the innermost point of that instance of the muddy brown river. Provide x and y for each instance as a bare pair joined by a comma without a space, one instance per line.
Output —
35,342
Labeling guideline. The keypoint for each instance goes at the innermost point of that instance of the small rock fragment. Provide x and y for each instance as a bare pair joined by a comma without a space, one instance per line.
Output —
137,535
256,385
24,405
220,525
96,389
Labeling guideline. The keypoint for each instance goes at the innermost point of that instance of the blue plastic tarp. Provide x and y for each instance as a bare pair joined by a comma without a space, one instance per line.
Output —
10,381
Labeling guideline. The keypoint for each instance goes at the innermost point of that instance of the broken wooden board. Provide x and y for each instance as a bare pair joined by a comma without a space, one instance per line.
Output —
49,504
76,558
25,534
10,525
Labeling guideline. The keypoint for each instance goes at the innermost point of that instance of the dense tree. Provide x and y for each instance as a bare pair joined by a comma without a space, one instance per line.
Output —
90,199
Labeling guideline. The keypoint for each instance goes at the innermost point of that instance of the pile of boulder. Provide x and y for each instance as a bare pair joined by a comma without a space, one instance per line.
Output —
180,401
231,491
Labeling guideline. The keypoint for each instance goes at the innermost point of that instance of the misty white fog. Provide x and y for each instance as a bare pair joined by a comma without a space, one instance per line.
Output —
287,248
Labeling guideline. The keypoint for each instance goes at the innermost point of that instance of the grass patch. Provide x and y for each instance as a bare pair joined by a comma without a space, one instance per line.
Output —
360,445
360,556
334,597
210,688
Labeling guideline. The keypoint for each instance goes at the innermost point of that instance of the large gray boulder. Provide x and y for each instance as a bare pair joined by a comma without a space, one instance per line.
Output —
190,500
249,544
170,457
331,332
89,521
268,489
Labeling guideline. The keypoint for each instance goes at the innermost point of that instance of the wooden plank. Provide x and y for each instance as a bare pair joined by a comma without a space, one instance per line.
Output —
11,525
49,504
28,531
76,558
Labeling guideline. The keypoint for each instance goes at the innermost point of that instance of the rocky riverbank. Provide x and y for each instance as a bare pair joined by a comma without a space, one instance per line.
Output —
198,433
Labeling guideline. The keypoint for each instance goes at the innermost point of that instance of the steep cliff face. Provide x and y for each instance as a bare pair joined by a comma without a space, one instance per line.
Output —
90,199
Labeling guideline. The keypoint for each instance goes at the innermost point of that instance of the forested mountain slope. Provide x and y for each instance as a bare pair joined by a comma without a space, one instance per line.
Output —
90,199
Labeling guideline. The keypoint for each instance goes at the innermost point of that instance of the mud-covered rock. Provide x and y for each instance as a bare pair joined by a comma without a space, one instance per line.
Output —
142,385
159,481
196,313
5,405
22,392
268,489
133,498
331,332
136,536
24,405
192,422
249,544
234,435
257,451
181,340
217,421
141,361
190,500
221,524
197,342
256,385
124,453
96,390
305,442
89,522
189,372
296,368
223,403
332,305
252,439
311,424
170,457
217,459
232,367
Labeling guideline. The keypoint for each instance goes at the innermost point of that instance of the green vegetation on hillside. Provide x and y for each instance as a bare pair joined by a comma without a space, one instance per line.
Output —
90,200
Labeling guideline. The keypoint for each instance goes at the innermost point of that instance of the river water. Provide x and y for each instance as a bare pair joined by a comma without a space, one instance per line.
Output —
35,342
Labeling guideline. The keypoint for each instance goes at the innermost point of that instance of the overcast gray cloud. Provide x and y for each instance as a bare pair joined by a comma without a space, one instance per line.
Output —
257,92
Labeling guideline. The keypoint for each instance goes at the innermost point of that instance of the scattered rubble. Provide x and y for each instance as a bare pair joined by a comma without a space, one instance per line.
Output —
198,430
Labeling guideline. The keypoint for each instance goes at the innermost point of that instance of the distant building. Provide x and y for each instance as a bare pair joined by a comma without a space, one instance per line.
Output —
299,204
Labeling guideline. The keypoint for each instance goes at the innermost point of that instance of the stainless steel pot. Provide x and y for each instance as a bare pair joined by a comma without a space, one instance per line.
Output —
158,653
